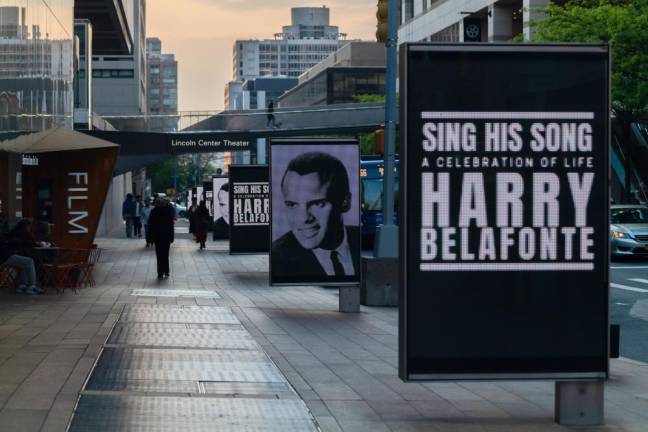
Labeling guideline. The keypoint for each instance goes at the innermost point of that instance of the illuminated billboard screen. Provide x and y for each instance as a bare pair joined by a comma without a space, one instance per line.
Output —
315,212
249,209
504,211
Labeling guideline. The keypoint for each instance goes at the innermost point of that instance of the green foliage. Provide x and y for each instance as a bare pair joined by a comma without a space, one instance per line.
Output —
368,140
623,24
369,98
186,168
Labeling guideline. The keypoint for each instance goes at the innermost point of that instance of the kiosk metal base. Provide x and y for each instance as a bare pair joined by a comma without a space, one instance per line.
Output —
579,403
350,299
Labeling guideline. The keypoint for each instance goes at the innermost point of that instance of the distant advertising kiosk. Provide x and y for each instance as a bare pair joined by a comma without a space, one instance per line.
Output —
505,216
249,209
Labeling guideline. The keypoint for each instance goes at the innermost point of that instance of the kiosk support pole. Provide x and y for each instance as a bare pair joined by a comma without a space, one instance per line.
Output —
387,233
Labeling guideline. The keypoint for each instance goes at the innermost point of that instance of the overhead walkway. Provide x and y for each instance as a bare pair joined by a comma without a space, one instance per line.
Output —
315,120
139,147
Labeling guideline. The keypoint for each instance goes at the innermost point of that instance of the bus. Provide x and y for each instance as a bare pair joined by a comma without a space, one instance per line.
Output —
371,177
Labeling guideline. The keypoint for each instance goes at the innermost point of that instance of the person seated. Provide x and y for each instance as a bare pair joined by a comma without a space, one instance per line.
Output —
15,251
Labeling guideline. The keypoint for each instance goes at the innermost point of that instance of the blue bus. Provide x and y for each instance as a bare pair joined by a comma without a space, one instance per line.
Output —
371,178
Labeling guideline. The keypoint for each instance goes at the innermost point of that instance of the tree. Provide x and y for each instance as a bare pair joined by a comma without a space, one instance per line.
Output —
186,168
368,140
623,24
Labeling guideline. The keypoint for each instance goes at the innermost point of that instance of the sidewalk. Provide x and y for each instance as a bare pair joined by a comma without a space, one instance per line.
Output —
343,366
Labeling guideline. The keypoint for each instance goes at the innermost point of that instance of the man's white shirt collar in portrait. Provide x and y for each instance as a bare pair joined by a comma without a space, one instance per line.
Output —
344,254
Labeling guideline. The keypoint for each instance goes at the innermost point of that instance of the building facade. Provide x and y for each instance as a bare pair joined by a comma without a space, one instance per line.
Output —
119,78
36,65
306,41
357,68
162,91
467,20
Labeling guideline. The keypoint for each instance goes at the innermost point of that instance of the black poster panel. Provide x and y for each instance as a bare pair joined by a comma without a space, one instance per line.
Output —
220,210
249,209
315,212
208,195
504,211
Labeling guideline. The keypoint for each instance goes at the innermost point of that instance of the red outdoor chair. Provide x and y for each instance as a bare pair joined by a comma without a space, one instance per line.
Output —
8,276
66,270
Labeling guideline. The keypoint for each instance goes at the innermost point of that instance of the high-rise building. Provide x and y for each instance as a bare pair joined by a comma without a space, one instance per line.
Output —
162,92
119,79
468,20
307,40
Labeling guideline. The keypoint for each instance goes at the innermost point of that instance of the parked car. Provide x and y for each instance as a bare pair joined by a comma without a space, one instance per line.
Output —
629,230
181,211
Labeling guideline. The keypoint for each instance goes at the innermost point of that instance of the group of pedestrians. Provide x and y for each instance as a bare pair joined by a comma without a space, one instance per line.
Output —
157,221
132,212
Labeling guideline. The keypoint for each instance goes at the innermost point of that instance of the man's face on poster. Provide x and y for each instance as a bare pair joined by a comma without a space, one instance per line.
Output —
223,204
309,212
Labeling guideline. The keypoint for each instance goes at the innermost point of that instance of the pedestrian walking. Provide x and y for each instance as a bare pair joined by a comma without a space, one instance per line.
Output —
137,219
128,214
270,115
190,215
161,226
146,213
201,224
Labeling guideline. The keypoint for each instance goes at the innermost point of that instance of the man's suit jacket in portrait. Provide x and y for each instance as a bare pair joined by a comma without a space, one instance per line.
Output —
292,263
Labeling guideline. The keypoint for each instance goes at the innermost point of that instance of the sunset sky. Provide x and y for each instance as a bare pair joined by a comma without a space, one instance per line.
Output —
201,33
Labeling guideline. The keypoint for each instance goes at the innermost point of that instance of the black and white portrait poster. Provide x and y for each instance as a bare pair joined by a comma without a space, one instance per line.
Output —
200,194
504,212
220,210
249,209
315,212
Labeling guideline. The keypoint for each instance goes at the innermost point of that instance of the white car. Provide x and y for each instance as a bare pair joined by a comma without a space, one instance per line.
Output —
180,210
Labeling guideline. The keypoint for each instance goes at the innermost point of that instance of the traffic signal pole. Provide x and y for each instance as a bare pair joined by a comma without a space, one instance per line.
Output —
386,244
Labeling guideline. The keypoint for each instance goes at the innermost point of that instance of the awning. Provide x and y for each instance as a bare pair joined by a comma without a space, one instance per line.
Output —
54,140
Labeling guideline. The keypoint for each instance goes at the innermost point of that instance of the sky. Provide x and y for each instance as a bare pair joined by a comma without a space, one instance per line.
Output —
201,34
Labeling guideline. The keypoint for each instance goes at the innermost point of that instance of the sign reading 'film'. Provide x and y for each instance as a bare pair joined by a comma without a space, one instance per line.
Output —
505,219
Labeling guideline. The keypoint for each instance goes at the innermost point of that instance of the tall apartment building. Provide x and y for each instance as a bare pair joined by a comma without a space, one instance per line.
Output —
467,20
305,42
162,92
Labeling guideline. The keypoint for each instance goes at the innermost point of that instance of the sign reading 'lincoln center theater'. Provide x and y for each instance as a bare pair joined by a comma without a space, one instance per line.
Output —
505,231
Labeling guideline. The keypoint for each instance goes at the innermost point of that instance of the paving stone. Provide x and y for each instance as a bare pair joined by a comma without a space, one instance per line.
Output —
21,420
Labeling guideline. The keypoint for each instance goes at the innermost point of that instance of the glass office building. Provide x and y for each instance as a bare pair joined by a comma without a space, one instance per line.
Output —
36,64
336,85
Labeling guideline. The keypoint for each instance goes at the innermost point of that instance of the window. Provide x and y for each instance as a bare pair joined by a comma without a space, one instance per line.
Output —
113,73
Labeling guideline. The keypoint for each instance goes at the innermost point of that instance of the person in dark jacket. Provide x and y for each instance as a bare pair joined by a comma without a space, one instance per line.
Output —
15,251
270,115
201,224
161,226
191,211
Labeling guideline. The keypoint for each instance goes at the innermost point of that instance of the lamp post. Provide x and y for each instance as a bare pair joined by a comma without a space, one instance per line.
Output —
386,245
